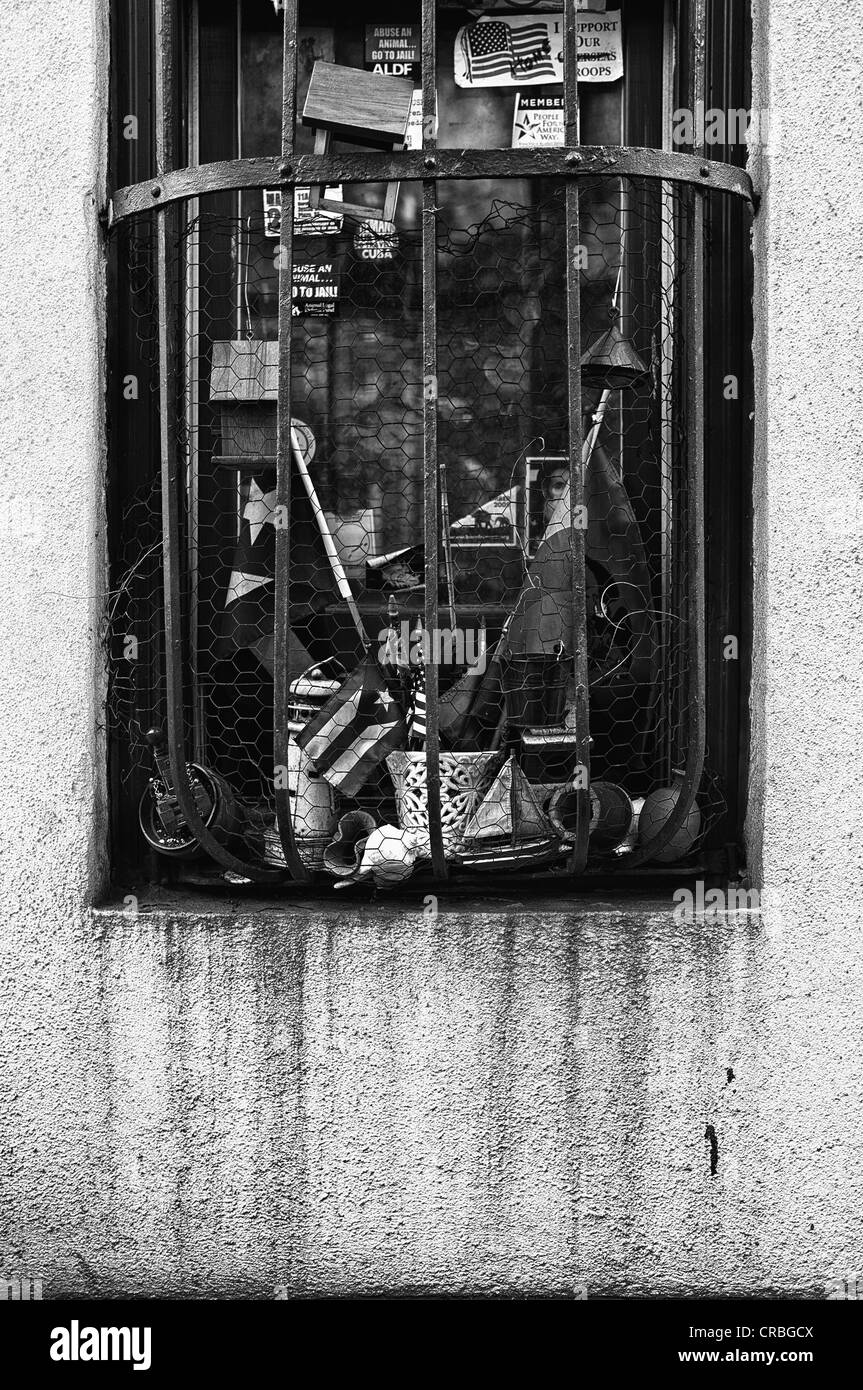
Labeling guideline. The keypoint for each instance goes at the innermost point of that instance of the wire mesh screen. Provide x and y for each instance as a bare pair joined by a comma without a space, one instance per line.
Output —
506,645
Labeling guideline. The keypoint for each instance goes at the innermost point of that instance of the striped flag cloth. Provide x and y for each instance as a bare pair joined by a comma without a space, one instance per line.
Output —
355,730
417,725
495,49
248,619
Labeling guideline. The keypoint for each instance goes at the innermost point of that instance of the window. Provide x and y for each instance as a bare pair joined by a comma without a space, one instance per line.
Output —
429,421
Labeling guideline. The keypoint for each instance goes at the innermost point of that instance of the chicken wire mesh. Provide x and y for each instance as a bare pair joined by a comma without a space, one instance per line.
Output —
505,645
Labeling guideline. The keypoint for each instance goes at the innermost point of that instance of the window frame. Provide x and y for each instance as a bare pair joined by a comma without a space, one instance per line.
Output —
571,163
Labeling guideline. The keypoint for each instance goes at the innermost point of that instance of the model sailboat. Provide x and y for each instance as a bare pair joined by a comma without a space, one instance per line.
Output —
509,827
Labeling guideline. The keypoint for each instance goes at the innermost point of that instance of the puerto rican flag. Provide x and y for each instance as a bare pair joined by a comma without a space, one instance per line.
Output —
355,730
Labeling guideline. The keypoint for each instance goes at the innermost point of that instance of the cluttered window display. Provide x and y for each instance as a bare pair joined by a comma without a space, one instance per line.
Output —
506,706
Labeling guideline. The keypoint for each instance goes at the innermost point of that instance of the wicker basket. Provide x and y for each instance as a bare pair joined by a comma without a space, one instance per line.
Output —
310,849
464,780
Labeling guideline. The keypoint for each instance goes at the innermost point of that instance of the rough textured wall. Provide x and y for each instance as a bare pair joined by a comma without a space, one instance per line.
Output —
231,1102
807,770
808,773
345,1103
52,559
228,1102
52,157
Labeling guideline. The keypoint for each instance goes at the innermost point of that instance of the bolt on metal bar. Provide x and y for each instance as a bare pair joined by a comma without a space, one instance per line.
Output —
578,636
433,485
165,39
281,733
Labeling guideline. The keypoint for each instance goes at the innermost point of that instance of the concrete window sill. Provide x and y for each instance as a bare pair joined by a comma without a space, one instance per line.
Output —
657,911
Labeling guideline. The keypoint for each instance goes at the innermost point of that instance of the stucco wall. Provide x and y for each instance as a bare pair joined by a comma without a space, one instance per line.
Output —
334,1101
807,769
52,557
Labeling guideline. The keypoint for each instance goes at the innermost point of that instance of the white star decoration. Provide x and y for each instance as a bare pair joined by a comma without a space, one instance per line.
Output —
260,509
241,584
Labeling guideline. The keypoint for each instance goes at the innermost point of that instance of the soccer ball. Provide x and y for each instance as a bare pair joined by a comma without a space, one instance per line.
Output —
656,812
389,856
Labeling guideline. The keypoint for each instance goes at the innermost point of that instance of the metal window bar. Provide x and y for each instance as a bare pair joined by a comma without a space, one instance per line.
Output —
165,39
573,164
409,165
284,818
578,638
697,721
431,471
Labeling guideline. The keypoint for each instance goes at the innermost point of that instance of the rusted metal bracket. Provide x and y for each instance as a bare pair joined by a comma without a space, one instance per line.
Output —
567,162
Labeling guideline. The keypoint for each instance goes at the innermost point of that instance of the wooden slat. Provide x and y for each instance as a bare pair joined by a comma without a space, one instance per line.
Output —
247,370
361,106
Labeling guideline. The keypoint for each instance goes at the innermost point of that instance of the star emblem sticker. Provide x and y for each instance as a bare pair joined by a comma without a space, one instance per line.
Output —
260,509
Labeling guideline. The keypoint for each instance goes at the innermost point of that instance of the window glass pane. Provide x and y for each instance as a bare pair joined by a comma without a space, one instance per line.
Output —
240,74
500,82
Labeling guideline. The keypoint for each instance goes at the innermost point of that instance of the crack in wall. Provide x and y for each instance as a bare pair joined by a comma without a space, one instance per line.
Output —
710,1136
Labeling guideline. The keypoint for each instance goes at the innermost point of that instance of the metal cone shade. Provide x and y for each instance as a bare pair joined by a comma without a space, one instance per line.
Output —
612,362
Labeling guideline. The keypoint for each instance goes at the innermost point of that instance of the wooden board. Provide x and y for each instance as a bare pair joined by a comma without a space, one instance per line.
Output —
248,431
357,105
245,370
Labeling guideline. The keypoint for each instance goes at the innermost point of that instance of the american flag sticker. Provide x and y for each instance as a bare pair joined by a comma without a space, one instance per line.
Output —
527,50
499,51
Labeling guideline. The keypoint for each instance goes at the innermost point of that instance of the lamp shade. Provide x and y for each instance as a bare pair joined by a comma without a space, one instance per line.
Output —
612,362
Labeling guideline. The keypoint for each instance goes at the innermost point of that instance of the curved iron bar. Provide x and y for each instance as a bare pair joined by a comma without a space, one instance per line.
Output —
281,693
171,481
566,162
578,858
697,722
